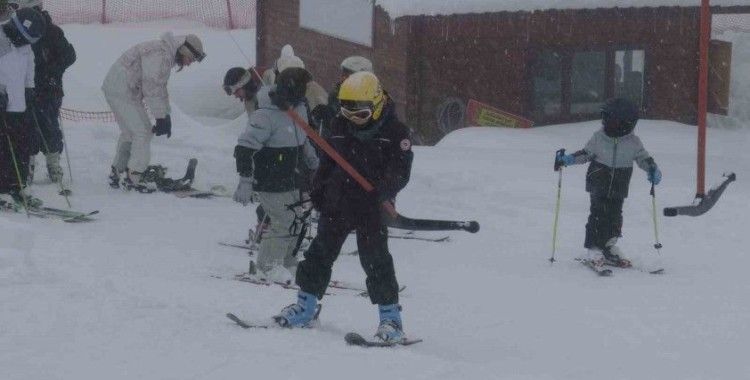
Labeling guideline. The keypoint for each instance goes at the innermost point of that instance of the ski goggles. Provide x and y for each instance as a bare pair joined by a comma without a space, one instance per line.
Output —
356,112
197,55
232,88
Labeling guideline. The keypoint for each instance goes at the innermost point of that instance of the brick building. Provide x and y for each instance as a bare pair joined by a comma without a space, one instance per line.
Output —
548,65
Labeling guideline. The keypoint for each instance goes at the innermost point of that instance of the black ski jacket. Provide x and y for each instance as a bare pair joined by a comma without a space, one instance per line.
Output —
53,54
383,156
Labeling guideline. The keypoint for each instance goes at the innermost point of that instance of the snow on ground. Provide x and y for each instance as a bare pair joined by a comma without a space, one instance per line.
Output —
131,295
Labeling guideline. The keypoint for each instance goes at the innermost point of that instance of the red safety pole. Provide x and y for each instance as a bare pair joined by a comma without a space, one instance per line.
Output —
104,12
705,34
229,12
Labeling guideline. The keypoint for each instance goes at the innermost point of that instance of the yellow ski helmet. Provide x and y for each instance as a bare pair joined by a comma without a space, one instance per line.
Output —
361,98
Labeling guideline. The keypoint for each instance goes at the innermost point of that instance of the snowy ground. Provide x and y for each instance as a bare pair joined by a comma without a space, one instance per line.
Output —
130,296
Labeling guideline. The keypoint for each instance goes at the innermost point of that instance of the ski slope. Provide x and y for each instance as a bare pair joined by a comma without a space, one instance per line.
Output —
131,296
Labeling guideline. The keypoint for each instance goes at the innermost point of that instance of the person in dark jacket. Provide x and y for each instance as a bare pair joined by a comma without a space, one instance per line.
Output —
366,134
611,152
53,54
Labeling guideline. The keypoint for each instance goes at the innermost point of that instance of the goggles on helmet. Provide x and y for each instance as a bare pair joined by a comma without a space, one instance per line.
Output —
197,55
232,88
357,112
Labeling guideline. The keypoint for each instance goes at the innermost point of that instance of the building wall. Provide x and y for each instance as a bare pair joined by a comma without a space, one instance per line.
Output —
422,60
487,56
278,24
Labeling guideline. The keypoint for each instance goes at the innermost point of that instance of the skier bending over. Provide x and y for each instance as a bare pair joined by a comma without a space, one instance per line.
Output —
367,134
138,79
611,151
17,134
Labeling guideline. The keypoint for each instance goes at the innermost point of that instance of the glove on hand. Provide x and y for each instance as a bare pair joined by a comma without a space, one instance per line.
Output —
654,175
163,127
568,159
244,192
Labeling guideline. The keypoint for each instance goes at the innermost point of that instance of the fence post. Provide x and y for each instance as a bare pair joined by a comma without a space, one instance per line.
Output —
229,12
104,11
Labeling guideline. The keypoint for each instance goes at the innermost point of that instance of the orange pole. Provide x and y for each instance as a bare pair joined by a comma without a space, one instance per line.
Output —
705,34
328,149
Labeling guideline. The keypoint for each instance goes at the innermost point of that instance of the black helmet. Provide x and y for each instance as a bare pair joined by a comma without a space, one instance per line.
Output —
290,87
619,116
238,77
29,23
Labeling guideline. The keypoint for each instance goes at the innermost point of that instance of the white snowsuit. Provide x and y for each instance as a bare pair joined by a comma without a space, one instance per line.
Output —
138,79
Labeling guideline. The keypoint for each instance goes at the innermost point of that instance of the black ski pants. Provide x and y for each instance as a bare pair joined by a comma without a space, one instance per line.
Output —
17,141
314,273
605,221
47,112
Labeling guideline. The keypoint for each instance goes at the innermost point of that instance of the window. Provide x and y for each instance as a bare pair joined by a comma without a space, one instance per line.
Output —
629,66
588,82
569,84
349,20
547,80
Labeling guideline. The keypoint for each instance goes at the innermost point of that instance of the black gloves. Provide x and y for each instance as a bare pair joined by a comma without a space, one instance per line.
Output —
163,127
30,96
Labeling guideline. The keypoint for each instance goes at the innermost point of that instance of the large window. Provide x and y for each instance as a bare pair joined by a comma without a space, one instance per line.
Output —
349,20
629,66
572,85
588,82
547,71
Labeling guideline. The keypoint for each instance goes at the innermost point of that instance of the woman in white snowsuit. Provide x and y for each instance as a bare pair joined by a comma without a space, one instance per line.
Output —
136,81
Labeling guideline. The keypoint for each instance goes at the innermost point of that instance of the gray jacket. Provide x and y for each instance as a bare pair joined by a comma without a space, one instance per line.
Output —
612,163
280,150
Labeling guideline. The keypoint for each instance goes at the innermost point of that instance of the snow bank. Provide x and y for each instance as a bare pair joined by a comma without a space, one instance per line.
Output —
399,8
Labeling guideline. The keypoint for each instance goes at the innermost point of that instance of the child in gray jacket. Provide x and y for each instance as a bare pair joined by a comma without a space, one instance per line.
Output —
611,152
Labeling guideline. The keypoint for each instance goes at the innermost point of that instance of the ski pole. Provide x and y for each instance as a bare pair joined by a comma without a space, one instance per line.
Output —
63,192
558,168
657,245
67,156
18,172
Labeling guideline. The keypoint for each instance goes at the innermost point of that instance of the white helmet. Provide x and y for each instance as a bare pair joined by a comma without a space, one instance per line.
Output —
355,64
25,3
288,59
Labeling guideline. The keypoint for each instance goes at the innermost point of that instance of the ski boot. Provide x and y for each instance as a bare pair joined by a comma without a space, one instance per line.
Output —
114,178
54,170
390,329
301,314
613,256
7,203
134,181
26,199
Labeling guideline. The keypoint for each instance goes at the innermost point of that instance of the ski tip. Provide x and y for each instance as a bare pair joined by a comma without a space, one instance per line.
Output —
355,339
473,227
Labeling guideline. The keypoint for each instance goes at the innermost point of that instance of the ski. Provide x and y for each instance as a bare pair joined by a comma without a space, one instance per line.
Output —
638,268
250,247
413,237
354,339
595,265
68,216
245,324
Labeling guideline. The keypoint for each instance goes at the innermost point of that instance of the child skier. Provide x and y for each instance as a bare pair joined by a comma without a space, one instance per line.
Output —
611,151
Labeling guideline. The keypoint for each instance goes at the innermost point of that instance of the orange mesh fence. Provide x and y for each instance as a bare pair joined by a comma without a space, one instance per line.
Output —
230,14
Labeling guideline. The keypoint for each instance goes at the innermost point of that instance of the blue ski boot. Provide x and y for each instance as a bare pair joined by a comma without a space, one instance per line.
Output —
300,314
390,329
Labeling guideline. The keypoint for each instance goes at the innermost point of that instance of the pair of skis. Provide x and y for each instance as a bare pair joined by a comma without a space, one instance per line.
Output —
352,338
600,267
68,216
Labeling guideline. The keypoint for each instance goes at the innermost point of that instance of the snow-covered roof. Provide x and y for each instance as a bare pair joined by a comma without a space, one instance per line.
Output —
399,8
